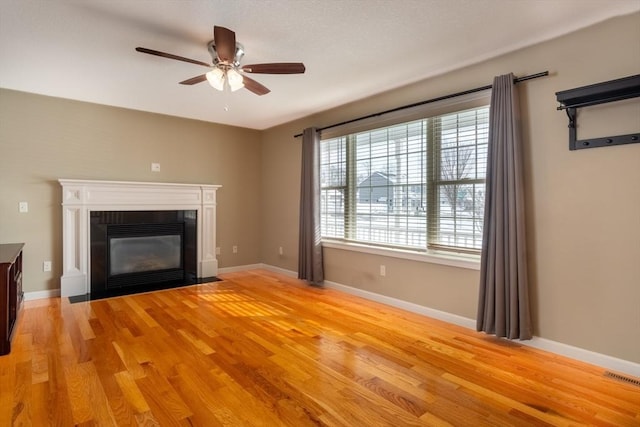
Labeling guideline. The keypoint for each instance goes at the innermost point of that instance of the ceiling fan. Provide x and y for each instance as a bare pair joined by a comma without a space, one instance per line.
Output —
227,54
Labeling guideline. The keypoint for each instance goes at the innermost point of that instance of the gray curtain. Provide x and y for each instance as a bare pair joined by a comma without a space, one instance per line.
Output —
503,306
310,266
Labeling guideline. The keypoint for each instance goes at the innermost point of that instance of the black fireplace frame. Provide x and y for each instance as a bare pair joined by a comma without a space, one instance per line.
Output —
108,224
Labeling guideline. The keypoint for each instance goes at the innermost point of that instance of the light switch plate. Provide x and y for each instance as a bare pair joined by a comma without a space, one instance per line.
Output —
23,207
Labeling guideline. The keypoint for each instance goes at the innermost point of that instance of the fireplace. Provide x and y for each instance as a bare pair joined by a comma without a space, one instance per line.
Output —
117,208
134,251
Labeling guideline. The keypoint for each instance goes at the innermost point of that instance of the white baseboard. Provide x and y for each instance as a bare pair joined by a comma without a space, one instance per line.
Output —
576,353
405,305
258,266
239,268
51,293
588,356
282,271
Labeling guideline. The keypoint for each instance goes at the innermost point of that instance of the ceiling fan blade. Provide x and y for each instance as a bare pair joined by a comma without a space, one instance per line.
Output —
275,68
225,41
254,86
194,80
171,56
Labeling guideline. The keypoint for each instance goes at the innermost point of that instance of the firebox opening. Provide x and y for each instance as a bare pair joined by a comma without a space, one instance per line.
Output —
137,254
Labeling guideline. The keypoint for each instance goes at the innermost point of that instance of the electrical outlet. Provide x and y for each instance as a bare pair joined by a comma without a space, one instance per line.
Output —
23,207
280,251
383,270
46,266
155,167
234,249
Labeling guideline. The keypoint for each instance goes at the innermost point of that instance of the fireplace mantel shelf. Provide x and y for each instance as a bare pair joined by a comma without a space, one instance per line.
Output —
80,197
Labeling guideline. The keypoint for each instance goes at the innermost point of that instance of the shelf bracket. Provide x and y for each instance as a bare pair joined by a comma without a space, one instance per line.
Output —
571,114
600,93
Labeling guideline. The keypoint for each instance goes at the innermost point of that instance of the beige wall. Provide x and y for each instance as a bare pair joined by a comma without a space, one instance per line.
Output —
43,139
583,211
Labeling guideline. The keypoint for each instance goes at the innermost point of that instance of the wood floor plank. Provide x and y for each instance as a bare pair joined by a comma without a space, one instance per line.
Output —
22,410
262,349
86,394
131,392
162,397
203,413
7,387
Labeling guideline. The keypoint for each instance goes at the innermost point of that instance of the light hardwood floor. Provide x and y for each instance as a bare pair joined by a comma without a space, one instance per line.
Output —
261,349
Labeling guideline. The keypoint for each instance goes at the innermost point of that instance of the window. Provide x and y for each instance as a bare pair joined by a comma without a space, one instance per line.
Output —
417,185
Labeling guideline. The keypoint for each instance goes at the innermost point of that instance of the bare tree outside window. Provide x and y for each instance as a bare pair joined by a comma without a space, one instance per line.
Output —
453,168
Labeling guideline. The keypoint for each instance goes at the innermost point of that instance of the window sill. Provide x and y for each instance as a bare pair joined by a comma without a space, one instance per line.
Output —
471,262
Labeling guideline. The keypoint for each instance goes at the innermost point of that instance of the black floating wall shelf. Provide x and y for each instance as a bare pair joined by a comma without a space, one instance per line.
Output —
599,93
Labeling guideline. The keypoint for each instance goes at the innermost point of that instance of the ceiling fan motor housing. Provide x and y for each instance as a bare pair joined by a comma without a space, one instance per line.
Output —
211,47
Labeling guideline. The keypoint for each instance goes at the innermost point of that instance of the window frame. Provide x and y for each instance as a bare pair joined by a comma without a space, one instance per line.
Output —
439,254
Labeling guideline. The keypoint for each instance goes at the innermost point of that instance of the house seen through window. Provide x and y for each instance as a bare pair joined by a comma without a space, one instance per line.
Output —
417,185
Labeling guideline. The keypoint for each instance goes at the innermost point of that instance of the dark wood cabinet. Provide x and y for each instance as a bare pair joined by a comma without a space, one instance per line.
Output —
11,294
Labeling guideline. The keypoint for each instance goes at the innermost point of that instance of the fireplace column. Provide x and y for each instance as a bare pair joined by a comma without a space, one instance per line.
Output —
207,261
79,197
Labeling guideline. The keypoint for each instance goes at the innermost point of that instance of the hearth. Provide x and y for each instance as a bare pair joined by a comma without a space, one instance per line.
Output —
134,251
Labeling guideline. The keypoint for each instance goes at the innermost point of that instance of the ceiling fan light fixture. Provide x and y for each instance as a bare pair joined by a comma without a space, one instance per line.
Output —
235,80
215,78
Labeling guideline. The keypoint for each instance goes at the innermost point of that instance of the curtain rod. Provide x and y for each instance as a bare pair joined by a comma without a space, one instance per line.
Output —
428,101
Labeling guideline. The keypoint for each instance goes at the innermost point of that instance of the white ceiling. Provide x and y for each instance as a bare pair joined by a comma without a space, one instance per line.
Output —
84,49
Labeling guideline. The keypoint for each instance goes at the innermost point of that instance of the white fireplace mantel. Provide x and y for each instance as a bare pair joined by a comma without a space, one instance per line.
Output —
80,197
